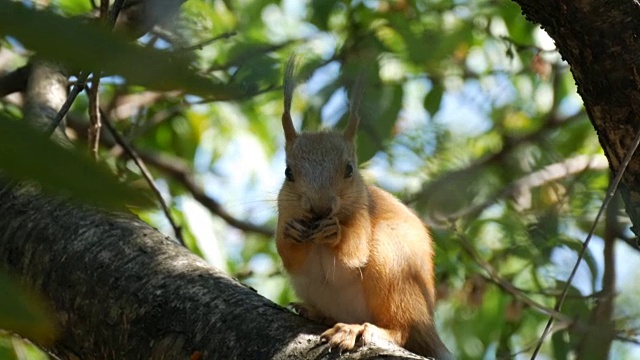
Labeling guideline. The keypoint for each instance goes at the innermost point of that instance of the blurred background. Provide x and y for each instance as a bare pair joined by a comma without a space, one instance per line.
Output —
469,116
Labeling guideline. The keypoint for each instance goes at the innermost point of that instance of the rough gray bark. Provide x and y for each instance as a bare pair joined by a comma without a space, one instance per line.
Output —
122,290
599,40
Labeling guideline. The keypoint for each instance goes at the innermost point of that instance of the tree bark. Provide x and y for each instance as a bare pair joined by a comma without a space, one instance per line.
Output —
122,290
599,40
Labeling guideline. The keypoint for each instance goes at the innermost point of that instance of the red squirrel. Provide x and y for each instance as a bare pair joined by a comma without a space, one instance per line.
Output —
358,258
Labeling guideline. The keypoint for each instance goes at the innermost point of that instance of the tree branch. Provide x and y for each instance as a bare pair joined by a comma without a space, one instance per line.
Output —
120,289
94,116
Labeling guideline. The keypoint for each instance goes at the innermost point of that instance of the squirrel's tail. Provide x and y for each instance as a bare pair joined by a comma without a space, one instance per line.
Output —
429,344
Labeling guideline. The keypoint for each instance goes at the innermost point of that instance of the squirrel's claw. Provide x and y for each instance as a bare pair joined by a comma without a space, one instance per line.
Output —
346,337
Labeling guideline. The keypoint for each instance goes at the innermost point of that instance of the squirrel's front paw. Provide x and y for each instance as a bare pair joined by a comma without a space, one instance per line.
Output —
296,231
326,231
347,337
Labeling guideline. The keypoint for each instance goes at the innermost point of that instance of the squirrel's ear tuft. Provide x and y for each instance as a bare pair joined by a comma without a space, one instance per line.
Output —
354,105
289,131
288,86
352,127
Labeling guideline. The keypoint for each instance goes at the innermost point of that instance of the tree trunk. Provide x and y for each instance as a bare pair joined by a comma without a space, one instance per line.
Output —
599,40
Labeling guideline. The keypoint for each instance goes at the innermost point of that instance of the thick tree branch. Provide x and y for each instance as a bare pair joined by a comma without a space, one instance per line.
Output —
120,289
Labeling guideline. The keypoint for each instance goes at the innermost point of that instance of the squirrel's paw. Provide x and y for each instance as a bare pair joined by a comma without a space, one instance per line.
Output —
295,230
327,231
346,337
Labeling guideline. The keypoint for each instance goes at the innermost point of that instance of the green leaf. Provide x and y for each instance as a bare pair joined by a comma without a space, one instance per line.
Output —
380,112
75,7
560,345
24,313
321,12
433,99
87,46
28,154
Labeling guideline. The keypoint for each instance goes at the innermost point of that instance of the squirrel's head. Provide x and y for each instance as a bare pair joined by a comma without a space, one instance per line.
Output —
321,174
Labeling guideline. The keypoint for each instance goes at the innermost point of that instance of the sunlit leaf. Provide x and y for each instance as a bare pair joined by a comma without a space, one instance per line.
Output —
74,7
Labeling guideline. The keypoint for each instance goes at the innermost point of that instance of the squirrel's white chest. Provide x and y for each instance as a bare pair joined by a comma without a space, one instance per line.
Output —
331,287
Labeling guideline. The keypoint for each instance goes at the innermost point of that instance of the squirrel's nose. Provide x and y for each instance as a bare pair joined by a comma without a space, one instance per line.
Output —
319,209
320,212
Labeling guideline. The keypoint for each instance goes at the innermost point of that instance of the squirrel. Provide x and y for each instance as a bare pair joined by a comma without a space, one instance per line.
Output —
358,258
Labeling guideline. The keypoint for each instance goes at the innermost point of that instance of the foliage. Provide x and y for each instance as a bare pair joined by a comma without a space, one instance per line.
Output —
464,102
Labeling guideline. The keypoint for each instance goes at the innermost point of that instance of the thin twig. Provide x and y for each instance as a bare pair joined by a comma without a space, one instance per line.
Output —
146,174
610,192
521,46
94,98
627,339
505,285
94,117
202,44
104,10
82,77
115,11
180,172
75,90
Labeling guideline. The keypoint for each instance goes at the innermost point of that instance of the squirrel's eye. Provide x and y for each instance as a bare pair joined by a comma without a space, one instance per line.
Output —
288,174
348,171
